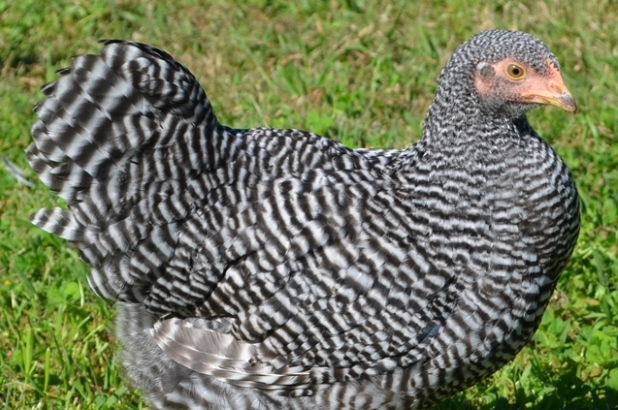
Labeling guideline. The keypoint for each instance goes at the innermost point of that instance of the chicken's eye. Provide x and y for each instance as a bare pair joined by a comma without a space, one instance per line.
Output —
515,71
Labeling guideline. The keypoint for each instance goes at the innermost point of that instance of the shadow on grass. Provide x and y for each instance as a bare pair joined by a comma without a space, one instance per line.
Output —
571,393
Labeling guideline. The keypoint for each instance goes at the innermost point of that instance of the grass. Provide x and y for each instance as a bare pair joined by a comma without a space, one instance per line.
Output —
355,71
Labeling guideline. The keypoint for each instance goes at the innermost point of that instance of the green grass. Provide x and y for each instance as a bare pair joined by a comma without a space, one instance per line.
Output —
355,71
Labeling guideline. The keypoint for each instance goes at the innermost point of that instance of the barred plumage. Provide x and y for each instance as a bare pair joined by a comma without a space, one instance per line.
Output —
275,269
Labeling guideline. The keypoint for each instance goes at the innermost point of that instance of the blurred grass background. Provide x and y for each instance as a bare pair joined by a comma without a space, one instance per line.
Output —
361,72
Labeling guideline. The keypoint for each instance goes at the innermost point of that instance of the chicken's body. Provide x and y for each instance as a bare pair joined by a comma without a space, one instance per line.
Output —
275,269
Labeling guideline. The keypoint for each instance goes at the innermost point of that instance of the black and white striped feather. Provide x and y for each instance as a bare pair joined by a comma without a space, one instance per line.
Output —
275,269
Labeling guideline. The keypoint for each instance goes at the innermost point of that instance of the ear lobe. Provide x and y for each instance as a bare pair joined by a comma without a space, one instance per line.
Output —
483,78
484,69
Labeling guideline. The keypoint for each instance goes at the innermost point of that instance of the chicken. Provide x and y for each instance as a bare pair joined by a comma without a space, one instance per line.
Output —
276,269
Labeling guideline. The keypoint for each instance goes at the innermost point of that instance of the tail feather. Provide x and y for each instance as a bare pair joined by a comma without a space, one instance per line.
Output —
119,137
60,222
